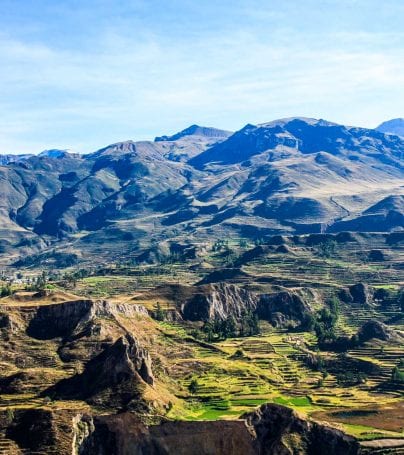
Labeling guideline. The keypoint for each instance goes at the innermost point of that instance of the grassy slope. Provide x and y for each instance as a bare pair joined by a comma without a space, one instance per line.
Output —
271,368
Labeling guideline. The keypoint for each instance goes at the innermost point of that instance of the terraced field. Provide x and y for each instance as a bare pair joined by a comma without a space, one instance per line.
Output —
201,379
271,370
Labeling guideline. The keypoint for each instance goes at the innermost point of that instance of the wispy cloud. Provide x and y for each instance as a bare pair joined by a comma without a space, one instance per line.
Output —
139,78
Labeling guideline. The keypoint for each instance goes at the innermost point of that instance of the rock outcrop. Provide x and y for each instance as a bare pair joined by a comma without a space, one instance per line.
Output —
375,329
283,309
7,325
205,302
254,253
376,256
36,431
73,318
270,430
361,293
280,431
218,301
116,377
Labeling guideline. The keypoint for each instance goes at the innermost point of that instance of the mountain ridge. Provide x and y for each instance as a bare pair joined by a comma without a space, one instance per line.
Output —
393,126
291,175
195,130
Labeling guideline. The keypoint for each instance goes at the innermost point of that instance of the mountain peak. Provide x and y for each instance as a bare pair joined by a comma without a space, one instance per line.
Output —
55,153
297,135
308,120
393,126
195,130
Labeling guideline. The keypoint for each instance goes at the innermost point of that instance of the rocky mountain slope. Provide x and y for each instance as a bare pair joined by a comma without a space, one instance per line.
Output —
6,159
394,126
271,430
294,175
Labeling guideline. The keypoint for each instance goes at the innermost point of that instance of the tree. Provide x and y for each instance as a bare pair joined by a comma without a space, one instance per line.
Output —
232,326
327,249
397,375
334,306
219,245
159,313
326,320
5,290
243,243
193,386
229,327
249,324
208,329
308,321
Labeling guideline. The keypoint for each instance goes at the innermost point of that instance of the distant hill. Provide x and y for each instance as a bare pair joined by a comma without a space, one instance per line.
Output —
6,159
293,175
12,158
54,153
196,130
394,126
191,141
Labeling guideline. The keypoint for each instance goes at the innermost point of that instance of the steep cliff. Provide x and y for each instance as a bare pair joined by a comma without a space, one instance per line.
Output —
270,430
218,301
116,377
73,318
283,309
280,431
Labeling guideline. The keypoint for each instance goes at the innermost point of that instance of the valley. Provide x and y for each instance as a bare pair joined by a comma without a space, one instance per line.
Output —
194,369
239,292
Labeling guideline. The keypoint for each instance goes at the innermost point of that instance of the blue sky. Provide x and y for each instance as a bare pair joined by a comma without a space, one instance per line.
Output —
83,74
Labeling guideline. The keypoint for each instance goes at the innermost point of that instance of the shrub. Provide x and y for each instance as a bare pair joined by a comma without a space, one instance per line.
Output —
159,313
5,291
397,375
193,386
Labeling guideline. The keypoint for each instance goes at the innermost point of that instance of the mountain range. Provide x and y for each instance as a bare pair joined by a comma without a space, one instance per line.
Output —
394,126
294,175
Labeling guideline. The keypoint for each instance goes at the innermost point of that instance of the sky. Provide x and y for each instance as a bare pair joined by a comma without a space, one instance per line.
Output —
80,74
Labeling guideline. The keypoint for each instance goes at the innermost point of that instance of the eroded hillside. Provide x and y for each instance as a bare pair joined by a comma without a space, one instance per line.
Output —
113,357
288,176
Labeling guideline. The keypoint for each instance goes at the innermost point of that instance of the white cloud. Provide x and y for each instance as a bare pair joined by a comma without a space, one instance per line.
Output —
143,84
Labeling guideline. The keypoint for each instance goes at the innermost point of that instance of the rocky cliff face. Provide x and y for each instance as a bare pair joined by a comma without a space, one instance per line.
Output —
93,339
376,329
76,317
221,300
37,431
270,430
218,301
361,293
7,325
116,377
358,293
280,431
205,302
283,309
